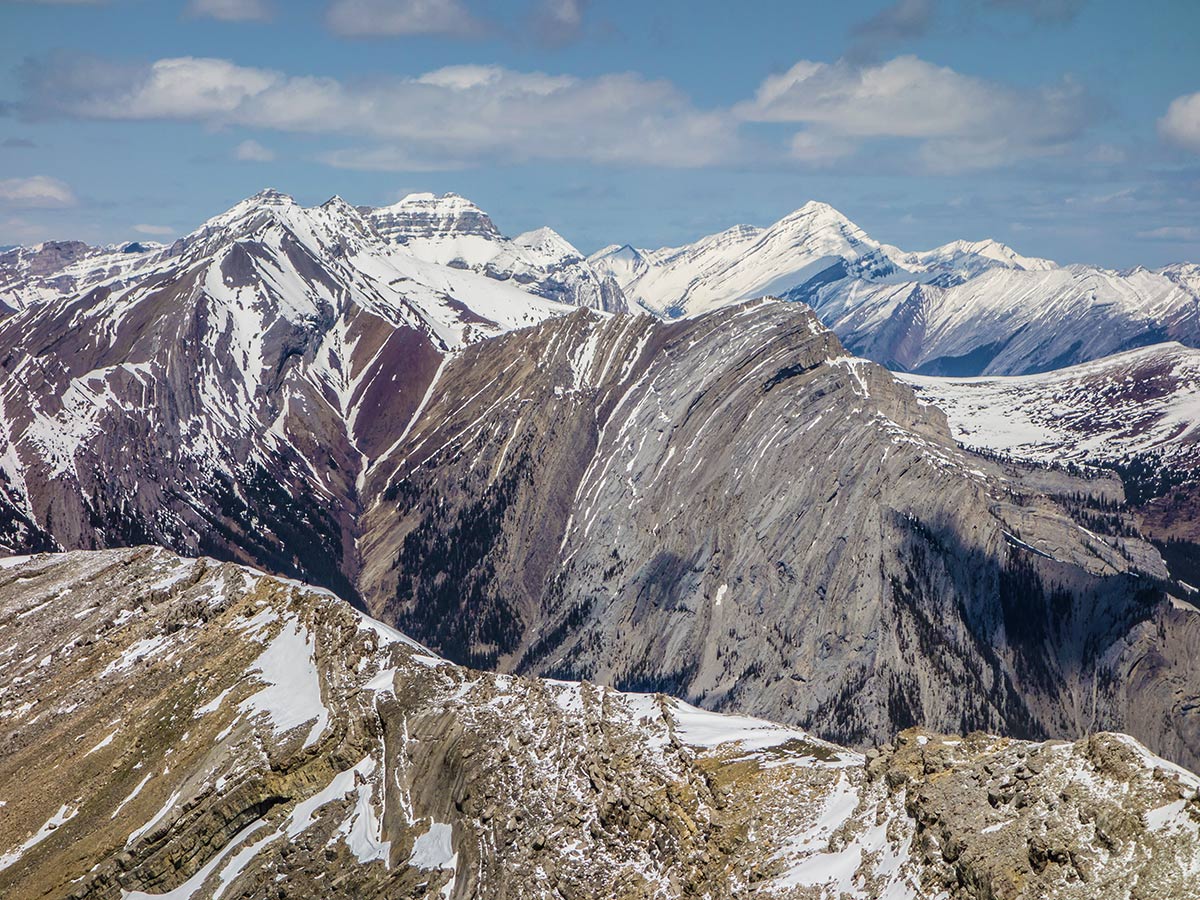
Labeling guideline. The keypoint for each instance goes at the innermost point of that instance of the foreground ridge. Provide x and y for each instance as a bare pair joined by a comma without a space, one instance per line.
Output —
186,728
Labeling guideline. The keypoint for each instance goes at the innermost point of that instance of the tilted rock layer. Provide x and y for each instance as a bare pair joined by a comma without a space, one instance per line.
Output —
186,728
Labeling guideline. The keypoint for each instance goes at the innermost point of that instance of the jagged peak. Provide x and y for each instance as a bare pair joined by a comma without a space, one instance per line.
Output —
267,199
327,224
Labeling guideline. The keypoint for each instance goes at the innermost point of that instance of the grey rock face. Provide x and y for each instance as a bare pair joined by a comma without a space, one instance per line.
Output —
187,726
731,509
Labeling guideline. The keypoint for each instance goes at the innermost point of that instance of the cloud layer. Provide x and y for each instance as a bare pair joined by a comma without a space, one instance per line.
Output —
36,192
232,10
445,118
383,18
923,117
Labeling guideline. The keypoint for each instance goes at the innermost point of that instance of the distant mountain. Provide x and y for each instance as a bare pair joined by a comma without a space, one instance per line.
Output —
219,395
1136,412
967,308
30,275
1143,402
452,231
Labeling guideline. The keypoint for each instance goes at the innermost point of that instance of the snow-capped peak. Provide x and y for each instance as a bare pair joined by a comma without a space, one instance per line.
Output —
426,215
986,249
548,246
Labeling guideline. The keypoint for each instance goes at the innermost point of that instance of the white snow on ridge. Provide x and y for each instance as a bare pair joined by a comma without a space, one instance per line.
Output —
433,849
292,696
65,814
1141,401
701,728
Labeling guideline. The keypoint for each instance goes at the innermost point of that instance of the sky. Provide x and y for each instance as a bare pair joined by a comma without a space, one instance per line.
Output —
1069,129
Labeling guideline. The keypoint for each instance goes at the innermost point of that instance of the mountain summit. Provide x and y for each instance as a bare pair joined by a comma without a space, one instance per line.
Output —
452,231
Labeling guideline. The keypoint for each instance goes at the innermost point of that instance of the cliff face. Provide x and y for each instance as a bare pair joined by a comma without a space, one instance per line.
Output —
183,727
732,509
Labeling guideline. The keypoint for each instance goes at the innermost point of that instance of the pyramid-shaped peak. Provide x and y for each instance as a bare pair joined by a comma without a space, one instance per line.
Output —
818,212
817,220
548,244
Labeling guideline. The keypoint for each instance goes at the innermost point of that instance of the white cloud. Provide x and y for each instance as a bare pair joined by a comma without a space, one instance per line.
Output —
911,112
154,230
961,121
558,22
253,151
232,10
374,18
180,88
450,117
1181,124
820,148
36,192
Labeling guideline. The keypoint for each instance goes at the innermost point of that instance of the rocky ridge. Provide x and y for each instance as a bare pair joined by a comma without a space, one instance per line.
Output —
731,509
178,727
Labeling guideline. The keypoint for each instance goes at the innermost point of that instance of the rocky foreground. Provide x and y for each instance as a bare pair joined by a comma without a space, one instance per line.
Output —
183,728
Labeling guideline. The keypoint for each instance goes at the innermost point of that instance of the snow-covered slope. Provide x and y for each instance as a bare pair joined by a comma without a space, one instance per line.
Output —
966,308
1144,401
964,259
177,728
744,262
30,275
1007,321
452,231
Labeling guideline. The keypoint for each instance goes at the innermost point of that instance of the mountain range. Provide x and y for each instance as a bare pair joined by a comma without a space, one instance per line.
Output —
966,308
630,470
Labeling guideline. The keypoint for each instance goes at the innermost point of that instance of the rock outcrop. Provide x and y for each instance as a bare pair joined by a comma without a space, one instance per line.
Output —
183,727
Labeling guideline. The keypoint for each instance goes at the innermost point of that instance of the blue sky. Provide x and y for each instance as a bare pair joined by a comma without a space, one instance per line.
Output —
1067,128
